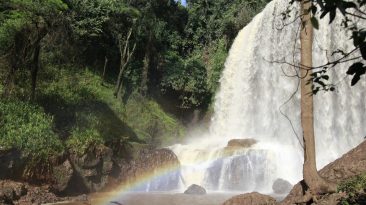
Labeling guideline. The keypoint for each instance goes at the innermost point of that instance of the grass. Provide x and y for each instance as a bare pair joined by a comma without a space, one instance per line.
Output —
86,112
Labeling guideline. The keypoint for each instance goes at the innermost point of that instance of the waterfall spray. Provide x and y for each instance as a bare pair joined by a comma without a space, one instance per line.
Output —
258,100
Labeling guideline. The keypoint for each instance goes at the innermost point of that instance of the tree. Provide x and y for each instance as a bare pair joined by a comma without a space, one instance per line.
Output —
313,79
352,14
126,53
312,179
23,26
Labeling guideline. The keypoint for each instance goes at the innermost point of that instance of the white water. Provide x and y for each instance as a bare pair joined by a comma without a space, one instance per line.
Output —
248,106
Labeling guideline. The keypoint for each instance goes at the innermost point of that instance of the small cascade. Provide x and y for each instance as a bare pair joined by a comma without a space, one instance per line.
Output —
254,90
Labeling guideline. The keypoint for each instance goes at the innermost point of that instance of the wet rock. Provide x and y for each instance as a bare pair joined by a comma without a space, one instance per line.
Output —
253,198
147,162
62,175
241,143
349,165
91,170
195,189
281,186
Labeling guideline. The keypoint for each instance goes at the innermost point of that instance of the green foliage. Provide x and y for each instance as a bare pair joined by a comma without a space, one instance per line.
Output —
26,127
10,24
182,50
90,18
95,116
151,123
352,23
81,140
353,185
213,20
355,188
217,58
17,14
187,77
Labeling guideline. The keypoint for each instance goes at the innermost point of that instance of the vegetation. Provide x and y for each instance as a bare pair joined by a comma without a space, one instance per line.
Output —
76,74
313,78
352,15
355,189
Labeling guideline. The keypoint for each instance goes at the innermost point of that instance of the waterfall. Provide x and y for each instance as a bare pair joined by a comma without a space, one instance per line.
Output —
253,92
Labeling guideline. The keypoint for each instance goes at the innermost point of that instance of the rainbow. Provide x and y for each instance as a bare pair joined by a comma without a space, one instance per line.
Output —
124,188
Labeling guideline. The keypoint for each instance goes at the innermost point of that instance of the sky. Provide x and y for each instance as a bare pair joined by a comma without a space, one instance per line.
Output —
184,3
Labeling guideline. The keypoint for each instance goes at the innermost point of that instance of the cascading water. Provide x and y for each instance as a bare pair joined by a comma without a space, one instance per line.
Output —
253,92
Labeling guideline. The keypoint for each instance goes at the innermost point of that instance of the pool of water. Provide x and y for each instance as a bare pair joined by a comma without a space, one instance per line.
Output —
157,198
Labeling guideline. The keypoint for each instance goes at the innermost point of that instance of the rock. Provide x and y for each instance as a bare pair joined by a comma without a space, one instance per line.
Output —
242,143
253,198
62,175
12,164
38,195
331,199
281,186
11,191
91,170
349,165
195,189
152,161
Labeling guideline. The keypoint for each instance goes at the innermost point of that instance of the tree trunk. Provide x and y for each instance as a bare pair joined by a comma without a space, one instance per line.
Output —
312,179
125,57
34,70
145,71
104,68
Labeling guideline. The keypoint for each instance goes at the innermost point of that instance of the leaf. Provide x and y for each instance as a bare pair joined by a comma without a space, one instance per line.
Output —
332,16
314,9
355,68
324,13
314,22
325,77
322,83
355,79
363,50
321,4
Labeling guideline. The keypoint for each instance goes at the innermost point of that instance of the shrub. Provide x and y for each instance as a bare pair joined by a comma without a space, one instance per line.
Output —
355,188
27,128
82,139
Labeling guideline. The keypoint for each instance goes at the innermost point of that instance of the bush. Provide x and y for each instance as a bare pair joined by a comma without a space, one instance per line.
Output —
355,188
26,127
81,140
151,123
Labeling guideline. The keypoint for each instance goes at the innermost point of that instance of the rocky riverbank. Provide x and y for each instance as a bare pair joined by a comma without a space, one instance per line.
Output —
73,177
98,167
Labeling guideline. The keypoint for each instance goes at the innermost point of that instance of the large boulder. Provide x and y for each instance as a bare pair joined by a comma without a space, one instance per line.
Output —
92,170
195,189
281,186
62,175
241,143
150,161
349,165
11,191
253,198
